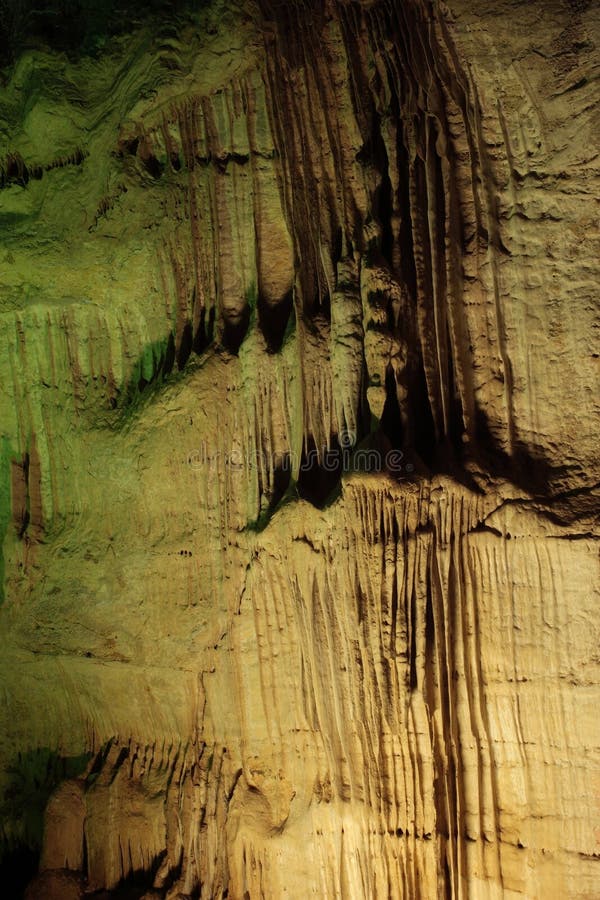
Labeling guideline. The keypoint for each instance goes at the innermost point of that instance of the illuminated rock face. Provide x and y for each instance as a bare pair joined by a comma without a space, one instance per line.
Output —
297,463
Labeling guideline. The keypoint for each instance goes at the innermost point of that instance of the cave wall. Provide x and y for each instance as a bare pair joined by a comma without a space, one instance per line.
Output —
298,473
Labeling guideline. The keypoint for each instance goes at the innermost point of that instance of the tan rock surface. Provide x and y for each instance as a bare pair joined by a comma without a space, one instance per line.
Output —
298,460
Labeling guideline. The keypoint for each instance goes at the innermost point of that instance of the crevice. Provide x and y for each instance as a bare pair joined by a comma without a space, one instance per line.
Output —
391,417
14,170
274,320
319,474
234,332
186,343
382,204
152,165
205,331
18,866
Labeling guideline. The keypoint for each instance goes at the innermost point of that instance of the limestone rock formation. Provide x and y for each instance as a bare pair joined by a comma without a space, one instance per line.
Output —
298,461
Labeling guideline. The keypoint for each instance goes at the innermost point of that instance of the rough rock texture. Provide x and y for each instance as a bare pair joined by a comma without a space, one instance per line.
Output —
298,466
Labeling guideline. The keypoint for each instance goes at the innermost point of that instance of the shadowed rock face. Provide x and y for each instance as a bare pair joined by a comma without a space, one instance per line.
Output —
298,468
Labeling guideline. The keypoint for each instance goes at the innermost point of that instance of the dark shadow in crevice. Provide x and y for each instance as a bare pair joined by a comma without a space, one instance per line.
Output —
169,360
382,206
133,886
235,332
205,332
282,476
322,306
407,256
283,492
391,418
33,775
383,198
18,867
491,458
186,342
273,321
152,165
373,153
549,486
337,246
317,479
455,423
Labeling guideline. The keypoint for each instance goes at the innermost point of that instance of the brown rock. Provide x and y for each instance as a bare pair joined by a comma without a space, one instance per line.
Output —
54,885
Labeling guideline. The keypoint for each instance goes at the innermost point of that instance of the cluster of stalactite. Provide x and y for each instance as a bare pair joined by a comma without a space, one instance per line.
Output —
382,244
352,733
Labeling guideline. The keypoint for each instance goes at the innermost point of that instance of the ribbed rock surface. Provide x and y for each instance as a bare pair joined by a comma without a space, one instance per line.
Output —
298,465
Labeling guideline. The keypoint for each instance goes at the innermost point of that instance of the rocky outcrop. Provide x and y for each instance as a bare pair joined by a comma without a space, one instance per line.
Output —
298,478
